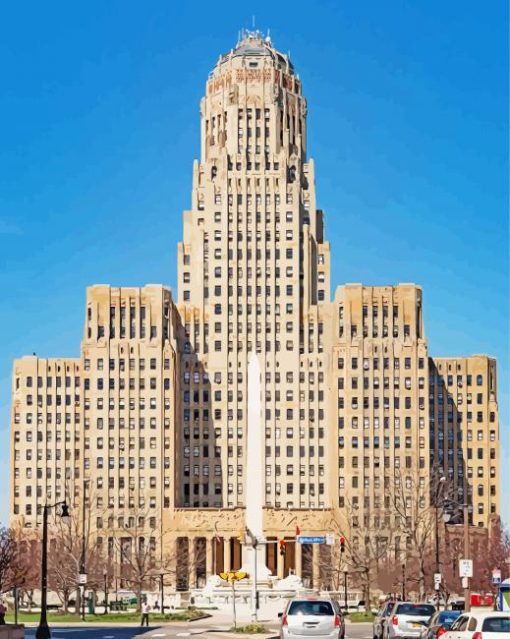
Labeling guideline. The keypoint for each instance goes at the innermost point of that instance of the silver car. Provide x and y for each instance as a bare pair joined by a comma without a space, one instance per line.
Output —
381,619
312,618
407,620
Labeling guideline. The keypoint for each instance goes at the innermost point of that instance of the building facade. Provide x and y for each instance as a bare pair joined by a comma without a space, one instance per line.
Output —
148,425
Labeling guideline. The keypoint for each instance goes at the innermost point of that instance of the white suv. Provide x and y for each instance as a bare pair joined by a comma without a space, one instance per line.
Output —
313,618
480,625
407,620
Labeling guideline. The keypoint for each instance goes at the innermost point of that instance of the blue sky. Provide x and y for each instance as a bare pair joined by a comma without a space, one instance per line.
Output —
99,128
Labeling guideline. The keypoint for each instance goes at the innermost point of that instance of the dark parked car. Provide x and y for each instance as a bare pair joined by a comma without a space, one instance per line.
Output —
439,623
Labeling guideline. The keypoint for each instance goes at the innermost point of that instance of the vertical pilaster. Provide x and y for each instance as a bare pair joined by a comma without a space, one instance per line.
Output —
209,567
298,559
280,566
315,566
226,553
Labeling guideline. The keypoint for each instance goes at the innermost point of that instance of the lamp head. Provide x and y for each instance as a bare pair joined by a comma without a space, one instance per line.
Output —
64,513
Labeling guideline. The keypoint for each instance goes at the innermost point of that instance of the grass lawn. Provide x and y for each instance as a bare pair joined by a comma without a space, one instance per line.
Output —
122,617
359,617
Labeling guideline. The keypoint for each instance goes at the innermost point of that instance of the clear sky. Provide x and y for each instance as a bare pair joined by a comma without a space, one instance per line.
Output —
99,127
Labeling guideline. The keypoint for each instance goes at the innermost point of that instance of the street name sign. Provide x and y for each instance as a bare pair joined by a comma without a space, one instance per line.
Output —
321,539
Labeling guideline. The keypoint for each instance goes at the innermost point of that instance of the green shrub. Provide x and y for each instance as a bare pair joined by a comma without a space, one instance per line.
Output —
250,629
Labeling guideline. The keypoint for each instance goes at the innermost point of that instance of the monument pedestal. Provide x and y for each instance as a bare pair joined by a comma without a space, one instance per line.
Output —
254,563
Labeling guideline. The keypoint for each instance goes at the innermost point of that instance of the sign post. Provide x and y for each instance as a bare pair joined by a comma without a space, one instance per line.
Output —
232,576
437,580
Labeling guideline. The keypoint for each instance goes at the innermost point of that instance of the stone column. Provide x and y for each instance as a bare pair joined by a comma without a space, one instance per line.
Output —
280,563
315,565
209,567
226,553
299,557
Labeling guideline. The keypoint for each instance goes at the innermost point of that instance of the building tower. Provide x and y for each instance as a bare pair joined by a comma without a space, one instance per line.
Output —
253,275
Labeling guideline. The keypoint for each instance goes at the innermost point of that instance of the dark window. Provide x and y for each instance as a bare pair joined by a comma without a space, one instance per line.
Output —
310,608
415,610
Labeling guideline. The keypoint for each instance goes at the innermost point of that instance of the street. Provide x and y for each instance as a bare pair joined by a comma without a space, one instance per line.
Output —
205,630
93,632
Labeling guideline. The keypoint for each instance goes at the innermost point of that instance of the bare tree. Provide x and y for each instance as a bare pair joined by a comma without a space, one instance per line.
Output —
9,554
29,564
415,519
369,545
138,561
70,543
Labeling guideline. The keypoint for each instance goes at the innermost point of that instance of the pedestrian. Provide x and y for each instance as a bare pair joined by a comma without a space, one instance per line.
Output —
3,610
145,614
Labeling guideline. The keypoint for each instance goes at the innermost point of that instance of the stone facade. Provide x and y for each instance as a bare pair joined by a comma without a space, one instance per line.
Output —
148,425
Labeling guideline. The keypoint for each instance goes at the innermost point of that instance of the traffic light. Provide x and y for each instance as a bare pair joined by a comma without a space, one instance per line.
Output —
283,547
342,543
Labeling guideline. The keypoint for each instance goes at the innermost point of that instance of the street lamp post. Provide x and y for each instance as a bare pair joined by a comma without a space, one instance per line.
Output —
467,591
437,584
403,582
105,576
83,574
43,630
345,590
161,587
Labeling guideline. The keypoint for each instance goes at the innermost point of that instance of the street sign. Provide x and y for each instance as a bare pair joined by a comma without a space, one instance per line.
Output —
330,540
311,540
496,577
437,580
82,579
465,567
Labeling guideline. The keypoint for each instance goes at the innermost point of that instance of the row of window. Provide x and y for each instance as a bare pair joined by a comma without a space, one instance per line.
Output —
131,363
388,462
469,380
439,398
385,403
122,403
110,383
375,442
68,381
376,383
376,421
376,363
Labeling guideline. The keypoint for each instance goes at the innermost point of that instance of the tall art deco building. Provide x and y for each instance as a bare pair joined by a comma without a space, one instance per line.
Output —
149,424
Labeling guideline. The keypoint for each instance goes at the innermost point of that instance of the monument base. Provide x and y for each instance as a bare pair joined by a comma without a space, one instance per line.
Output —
255,565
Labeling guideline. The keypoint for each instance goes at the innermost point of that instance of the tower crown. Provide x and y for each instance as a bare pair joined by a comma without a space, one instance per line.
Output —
254,50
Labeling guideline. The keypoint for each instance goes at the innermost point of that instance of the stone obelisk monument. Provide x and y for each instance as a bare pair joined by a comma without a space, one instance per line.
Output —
254,560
